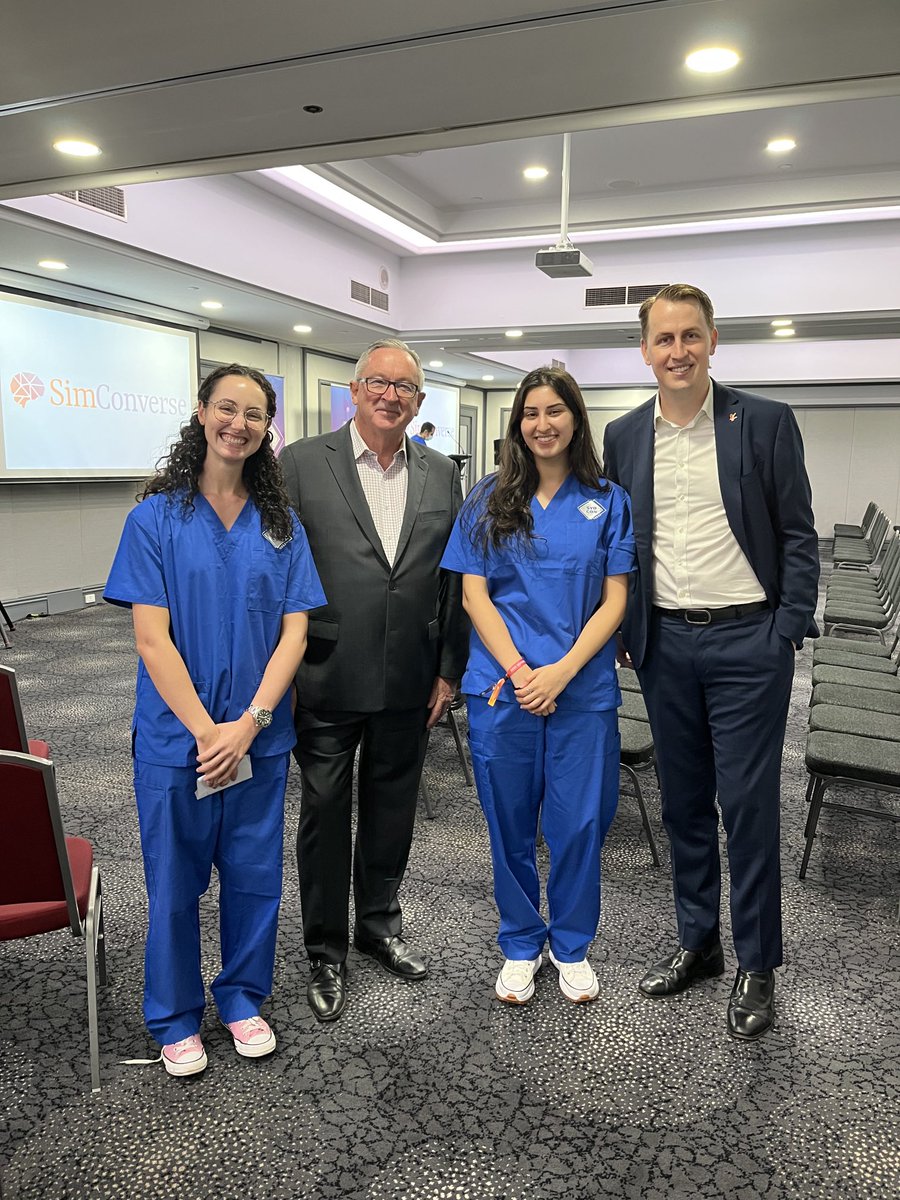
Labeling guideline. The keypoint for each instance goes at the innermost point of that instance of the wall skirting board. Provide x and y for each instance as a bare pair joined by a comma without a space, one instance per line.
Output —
65,600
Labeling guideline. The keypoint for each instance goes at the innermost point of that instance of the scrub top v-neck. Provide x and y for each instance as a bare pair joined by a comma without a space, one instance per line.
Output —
548,587
226,591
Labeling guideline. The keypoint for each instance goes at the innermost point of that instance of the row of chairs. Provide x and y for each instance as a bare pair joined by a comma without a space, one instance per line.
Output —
48,880
864,602
854,717
862,544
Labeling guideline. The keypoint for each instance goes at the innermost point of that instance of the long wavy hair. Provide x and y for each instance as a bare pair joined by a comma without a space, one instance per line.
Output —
178,472
506,514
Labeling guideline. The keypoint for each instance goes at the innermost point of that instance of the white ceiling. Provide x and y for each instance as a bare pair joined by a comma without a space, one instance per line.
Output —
432,110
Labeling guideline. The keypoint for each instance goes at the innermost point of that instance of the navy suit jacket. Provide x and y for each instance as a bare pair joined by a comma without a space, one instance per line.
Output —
767,499
387,630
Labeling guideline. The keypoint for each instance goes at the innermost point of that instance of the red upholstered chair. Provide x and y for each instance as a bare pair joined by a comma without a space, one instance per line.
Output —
48,881
12,723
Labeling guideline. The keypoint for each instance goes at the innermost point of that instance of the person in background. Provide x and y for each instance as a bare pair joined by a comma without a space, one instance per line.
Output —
545,547
425,434
727,584
218,574
384,659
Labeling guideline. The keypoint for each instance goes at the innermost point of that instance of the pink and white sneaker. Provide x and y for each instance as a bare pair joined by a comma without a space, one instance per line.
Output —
186,1057
253,1037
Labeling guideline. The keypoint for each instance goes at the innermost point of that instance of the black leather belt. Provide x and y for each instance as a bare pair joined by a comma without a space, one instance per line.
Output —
709,616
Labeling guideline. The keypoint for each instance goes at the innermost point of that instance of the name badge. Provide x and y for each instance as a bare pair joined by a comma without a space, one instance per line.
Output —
278,543
591,510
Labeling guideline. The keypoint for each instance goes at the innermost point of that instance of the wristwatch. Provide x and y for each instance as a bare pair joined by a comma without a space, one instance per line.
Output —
262,716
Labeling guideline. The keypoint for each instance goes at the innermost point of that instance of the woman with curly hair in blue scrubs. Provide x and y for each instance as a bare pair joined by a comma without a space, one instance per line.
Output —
545,547
218,574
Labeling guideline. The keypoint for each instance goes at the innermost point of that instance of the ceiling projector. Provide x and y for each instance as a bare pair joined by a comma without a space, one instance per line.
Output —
563,264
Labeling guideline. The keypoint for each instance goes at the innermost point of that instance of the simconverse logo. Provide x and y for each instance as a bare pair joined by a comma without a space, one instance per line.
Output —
24,387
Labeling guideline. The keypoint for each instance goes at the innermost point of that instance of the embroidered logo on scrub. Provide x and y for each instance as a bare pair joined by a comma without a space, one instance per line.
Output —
591,510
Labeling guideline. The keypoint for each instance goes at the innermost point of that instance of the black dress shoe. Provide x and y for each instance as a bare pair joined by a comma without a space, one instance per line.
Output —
393,954
751,1009
326,990
681,969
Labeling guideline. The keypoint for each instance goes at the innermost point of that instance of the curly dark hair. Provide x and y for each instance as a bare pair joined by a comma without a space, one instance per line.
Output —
178,472
506,514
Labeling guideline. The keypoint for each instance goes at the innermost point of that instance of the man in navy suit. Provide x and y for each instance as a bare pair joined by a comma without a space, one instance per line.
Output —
724,595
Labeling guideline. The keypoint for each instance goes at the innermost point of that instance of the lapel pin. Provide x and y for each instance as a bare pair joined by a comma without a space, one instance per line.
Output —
732,416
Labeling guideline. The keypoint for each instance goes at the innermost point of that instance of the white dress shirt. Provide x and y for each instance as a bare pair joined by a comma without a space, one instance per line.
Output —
697,562
385,490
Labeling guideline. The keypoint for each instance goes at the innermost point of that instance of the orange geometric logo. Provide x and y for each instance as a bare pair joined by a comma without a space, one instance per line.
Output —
25,386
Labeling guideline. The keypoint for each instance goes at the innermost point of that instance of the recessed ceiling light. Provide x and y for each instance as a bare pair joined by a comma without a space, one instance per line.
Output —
535,173
210,304
303,329
712,59
781,322
77,148
436,362
487,378
785,331
53,264
514,333
780,145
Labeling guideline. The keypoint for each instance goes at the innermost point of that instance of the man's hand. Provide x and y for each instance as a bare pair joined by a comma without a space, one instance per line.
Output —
442,693
220,751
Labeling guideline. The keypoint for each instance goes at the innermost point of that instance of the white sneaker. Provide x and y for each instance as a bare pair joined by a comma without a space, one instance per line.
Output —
577,980
515,983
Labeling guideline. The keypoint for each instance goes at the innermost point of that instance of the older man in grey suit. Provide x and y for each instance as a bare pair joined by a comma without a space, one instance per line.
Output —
381,666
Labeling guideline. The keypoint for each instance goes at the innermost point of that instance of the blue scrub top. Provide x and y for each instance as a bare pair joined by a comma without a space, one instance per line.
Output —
226,592
547,589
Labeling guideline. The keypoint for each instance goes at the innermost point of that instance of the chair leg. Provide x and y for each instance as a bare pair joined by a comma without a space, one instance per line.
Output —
460,748
651,840
815,807
91,930
426,798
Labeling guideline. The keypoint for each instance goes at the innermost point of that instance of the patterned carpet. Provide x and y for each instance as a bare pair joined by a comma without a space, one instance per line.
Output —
436,1091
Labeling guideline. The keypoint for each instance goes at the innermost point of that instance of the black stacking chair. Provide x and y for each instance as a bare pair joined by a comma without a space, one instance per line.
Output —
861,552
637,752
863,699
451,722
860,530
863,606
837,759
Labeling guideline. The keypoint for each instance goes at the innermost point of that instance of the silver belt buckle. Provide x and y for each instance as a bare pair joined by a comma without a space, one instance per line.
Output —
702,612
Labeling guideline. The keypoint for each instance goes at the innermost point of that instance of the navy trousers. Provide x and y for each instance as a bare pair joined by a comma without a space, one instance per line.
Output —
717,697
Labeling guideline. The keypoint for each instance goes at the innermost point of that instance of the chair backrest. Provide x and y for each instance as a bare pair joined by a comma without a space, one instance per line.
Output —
34,863
12,724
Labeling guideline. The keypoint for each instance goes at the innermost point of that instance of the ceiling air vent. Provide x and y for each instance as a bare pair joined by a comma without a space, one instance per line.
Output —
613,297
108,200
369,295
639,292
604,297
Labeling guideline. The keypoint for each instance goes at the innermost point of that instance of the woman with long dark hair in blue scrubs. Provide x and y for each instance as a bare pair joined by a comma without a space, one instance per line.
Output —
545,547
218,573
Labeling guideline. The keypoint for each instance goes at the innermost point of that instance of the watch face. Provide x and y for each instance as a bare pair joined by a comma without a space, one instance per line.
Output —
261,716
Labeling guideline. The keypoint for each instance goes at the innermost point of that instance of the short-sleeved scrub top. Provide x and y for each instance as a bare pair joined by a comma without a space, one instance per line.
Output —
547,588
226,592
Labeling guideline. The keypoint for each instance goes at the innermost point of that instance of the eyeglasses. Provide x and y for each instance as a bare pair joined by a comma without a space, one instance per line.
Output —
378,386
227,410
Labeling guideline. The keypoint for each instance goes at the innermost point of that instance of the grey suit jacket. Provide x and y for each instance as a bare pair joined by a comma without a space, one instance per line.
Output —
386,631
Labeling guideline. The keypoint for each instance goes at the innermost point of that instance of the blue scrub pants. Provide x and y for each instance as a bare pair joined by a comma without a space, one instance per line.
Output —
563,769
240,831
